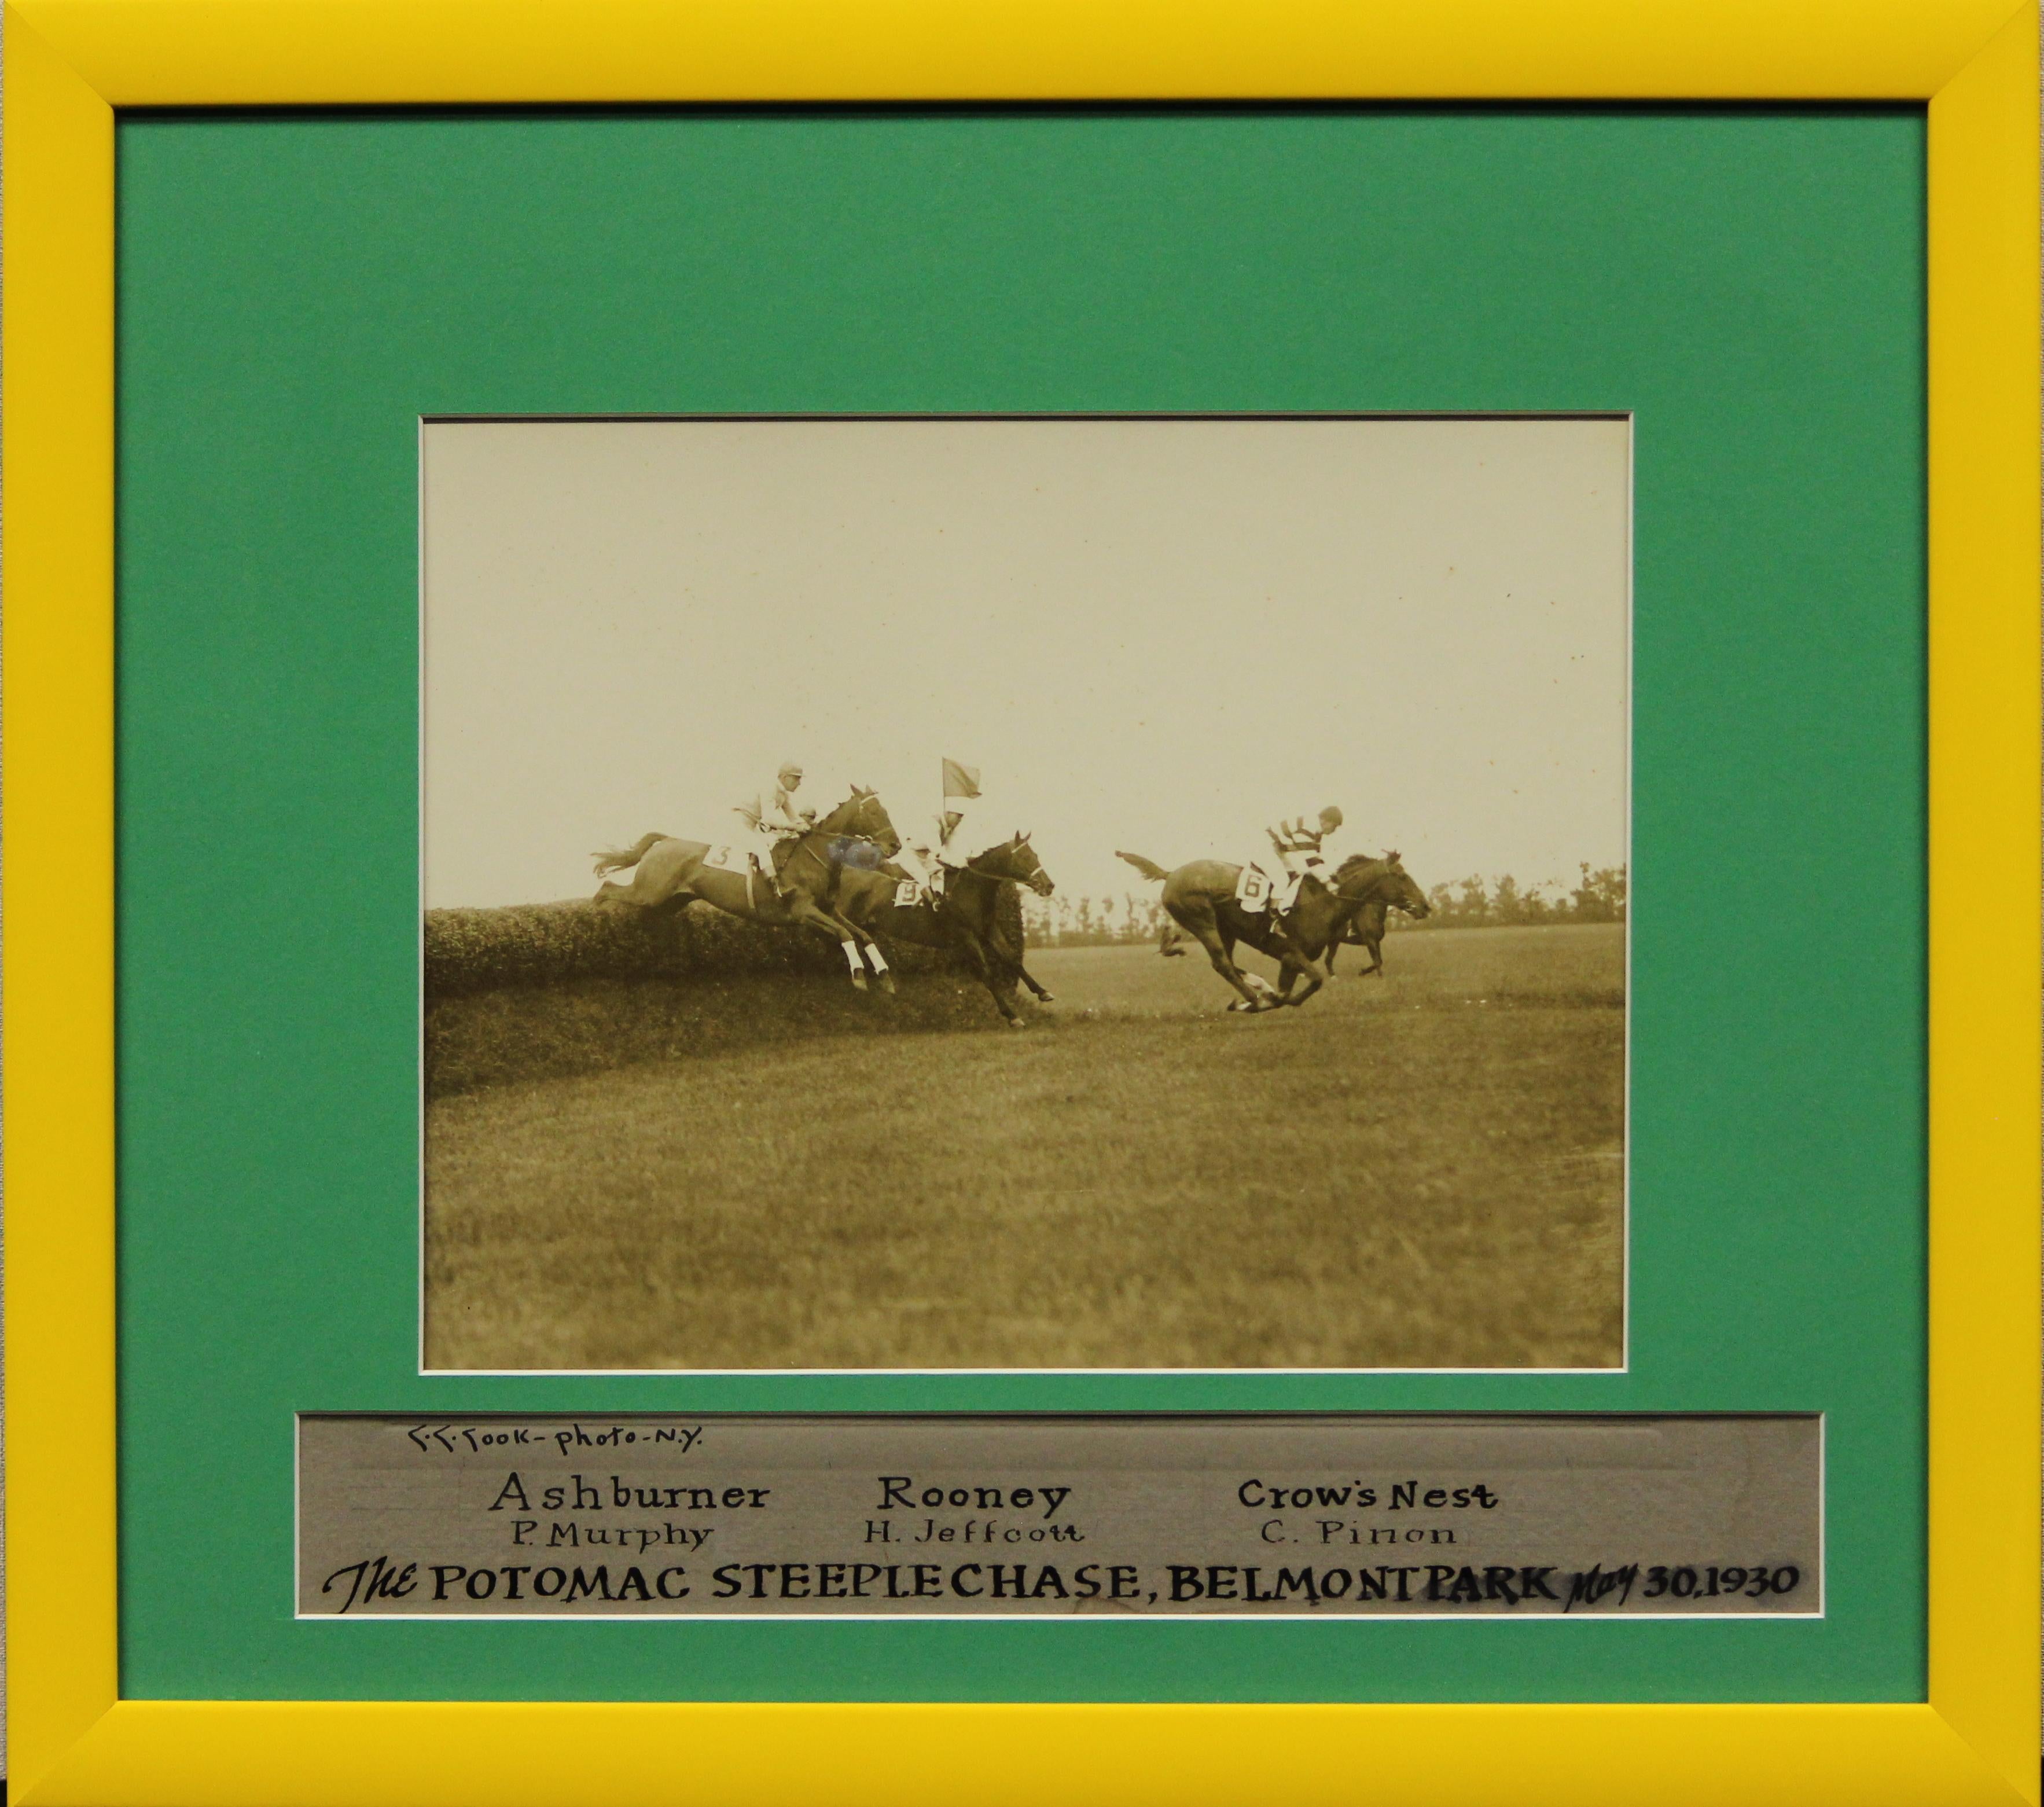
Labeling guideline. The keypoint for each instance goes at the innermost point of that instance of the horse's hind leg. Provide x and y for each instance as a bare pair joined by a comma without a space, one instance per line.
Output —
1202,926
611,892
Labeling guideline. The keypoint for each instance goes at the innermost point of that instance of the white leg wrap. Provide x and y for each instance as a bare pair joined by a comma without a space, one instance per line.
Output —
851,956
875,959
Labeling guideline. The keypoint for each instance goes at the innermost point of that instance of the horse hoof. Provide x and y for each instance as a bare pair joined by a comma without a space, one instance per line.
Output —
1047,998
887,984
858,981
1015,1022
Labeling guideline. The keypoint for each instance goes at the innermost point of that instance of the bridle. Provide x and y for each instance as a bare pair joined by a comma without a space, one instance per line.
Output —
858,825
1002,877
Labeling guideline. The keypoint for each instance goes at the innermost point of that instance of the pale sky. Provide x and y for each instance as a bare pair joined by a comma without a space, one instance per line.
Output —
1156,635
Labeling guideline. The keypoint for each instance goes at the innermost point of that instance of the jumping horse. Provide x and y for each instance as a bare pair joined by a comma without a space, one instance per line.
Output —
967,919
817,881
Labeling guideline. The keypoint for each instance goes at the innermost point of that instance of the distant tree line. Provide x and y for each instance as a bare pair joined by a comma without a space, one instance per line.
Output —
1473,902
1064,922
1598,896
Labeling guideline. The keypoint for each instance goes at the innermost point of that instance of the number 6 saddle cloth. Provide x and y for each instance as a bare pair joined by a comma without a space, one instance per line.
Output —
1257,891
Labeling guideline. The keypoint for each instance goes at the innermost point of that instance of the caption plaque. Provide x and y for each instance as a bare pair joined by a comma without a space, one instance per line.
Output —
952,1516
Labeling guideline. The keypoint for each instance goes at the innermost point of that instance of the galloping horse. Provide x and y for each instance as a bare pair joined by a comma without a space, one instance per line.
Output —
1366,929
967,919
822,868
1200,898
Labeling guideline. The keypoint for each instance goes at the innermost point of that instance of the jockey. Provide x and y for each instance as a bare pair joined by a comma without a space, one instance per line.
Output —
1299,845
951,825
917,860
775,822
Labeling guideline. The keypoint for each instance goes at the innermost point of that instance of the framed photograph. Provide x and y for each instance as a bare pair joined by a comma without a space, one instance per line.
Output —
678,598
1118,908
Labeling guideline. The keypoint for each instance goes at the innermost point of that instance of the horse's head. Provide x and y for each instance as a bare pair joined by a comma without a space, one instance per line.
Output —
1385,881
1401,891
1015,859
863,815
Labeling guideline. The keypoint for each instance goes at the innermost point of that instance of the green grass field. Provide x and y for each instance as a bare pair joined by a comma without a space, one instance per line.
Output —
1421,1171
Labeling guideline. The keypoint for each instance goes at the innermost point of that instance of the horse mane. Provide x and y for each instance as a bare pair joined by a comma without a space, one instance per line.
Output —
1356,861
859,793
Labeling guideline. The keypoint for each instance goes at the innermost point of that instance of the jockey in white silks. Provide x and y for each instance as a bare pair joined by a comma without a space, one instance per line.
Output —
1301,845
919,860
929,867
773,818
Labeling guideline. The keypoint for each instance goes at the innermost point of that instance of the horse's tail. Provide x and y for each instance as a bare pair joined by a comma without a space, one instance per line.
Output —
616,858
1149,868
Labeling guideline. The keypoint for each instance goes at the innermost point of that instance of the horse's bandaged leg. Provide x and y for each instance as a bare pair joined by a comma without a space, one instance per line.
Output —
875,958
851,959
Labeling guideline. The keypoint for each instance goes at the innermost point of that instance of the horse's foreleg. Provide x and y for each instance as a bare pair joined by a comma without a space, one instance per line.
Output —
1010,966
1297,966
867,948
992,972
874,959
989,969
803,909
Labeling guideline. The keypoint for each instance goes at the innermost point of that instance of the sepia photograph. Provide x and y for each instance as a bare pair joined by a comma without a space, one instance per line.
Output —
957,893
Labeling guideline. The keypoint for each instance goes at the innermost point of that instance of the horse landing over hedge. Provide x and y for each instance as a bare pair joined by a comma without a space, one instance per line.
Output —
969,919
1200,898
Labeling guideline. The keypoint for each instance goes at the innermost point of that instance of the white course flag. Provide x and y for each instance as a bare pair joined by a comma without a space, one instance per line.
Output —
960,786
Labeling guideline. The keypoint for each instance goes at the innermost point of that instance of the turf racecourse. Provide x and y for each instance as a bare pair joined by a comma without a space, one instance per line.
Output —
1421,1171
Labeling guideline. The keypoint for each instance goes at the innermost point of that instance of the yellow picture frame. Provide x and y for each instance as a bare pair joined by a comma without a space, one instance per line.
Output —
70,64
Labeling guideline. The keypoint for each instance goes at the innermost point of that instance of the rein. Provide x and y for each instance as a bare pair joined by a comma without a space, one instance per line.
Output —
997,879
1353,902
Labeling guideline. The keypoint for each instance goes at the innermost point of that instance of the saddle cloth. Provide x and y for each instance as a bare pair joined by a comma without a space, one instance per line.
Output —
1257,891
1254,890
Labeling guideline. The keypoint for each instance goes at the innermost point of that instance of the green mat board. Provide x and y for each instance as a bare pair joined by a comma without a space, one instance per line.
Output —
297,290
